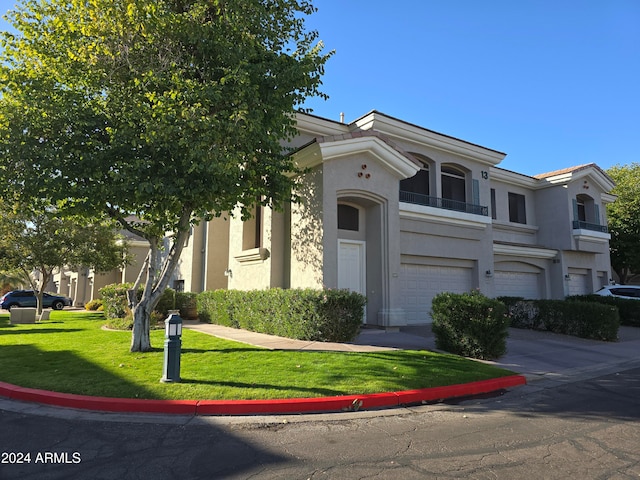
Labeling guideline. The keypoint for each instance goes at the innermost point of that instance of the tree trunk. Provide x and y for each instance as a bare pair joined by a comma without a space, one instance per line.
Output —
40,290
140,338
155,284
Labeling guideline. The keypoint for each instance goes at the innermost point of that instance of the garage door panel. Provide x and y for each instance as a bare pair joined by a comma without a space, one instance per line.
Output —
420,283
517,284
578,284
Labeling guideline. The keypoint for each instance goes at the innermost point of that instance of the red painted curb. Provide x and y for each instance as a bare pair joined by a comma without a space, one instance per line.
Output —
104,404
253,407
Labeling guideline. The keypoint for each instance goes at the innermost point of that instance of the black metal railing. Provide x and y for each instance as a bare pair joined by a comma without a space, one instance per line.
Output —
444,203
580,225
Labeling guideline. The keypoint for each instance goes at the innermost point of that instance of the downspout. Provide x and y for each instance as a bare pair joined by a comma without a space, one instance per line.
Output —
205,240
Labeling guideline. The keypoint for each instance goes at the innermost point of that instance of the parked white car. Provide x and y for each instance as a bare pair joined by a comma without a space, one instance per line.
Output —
622,291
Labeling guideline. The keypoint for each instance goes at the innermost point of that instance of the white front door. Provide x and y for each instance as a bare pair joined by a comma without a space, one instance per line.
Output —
351,266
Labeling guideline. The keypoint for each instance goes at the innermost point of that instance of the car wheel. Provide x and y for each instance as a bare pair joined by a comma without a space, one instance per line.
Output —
58,305
9,307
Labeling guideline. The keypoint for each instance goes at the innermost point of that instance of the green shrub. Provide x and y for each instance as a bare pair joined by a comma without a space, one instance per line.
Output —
114,298
126,323
317,315
523,314
93,305
628,309
470,325
187,303
567,317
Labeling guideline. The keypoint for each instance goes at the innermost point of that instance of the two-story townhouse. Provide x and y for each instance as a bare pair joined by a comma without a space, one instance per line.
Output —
550,234
401,213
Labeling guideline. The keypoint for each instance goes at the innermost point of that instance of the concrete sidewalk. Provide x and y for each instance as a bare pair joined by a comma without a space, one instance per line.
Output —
536,355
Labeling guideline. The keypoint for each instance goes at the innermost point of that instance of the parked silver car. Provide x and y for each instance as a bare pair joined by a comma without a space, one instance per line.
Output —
622,291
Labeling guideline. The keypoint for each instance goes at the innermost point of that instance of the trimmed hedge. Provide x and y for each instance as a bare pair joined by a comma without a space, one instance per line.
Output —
316,315
470,325
568,317
628,309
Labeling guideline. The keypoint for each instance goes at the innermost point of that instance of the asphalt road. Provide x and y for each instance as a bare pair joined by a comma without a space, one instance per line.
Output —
587,430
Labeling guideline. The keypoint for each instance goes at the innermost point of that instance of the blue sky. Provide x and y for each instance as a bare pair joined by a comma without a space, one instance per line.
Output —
550,83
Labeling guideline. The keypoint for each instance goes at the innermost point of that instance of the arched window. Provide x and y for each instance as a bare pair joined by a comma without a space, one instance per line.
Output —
348,218
453,184
420,182
585,210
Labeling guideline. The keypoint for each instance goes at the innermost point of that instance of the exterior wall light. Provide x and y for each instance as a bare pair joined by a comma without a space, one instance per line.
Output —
489,273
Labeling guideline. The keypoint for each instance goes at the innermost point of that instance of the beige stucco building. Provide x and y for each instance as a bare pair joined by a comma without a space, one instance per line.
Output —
399,213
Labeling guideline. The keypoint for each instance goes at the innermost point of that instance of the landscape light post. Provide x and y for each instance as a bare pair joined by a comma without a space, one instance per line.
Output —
172,347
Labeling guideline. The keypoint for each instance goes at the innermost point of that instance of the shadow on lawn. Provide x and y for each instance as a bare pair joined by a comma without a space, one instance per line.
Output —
12,330
59,371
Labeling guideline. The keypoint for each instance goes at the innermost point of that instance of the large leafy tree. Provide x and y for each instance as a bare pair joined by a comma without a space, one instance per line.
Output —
624,221
41,242
164,111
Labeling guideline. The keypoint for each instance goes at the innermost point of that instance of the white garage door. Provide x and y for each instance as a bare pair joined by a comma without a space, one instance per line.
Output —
578,284
420,283
517,284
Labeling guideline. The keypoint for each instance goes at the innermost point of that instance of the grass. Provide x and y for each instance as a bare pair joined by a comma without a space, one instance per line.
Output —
71,353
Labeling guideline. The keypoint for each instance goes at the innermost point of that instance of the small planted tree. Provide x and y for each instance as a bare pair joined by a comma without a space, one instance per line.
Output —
42,242
159,113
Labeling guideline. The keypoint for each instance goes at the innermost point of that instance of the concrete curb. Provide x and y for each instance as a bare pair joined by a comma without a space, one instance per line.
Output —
255,407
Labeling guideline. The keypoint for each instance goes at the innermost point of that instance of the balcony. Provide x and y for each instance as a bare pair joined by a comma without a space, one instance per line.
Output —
594,227
443,203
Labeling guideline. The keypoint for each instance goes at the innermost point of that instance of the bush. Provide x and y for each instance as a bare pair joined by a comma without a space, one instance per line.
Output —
567,317
187,303
126,323
470,325
628,309
523,313
316,315
114,298
93,305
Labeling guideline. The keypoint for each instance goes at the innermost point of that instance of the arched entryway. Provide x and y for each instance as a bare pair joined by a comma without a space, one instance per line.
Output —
361,252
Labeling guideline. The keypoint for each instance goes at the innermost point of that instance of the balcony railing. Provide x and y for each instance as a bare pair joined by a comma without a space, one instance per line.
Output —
444,203
580,225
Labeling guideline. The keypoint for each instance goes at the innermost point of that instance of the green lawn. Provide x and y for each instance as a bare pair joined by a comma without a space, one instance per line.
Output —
72,354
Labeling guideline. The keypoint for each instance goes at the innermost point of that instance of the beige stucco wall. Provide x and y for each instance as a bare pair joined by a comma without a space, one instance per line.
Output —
305,252
261,267
217,248
206,253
